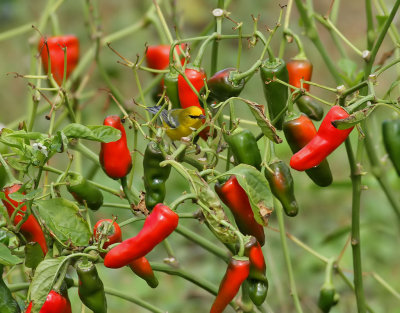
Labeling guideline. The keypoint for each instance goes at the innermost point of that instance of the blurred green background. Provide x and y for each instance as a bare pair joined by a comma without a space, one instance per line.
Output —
325,213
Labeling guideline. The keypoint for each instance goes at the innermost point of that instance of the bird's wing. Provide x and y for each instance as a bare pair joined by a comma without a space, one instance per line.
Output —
171,117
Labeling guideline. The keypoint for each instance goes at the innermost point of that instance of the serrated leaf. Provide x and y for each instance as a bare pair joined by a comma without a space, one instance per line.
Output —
96,133
33,255
43,280
265,125
6,258
257,189
354,118
62,219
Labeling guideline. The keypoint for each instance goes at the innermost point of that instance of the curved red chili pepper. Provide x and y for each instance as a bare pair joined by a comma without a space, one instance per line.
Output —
140,266
55,303
327,139
299,69
237,272
115,157
55,45
158,225
236,199
31,227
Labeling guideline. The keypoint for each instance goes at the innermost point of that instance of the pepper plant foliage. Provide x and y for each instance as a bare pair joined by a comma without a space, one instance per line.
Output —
213,121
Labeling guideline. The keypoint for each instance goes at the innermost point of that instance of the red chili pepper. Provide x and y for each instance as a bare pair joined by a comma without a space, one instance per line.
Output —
30,228
327,139
158,225
257,262
237,272
236,199
56,53
157,57
299,69
140,266
55,303
187,97
115,157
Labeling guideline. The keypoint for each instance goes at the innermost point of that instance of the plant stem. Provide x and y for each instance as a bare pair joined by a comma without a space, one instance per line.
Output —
217,29
355,168
293,289
206,244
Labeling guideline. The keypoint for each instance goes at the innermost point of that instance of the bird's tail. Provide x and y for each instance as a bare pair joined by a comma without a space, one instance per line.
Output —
154,109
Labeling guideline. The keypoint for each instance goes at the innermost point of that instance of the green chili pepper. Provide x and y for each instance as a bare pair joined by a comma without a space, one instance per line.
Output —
310,107
281,183
391,139
275,93
91,288
82,190
328,297
154,175
244,147
7,302
258,290
171,85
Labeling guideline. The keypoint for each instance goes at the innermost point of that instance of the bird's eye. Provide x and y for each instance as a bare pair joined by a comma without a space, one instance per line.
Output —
201,116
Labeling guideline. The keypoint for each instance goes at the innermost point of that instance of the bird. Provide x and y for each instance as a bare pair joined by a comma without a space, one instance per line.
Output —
179,122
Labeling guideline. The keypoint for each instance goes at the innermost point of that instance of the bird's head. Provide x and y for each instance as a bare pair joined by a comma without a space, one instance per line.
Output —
192,117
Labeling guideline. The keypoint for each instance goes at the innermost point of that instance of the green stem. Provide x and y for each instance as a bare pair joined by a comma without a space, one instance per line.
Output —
370,25
355,168
215,46
279,214
206,244
128,193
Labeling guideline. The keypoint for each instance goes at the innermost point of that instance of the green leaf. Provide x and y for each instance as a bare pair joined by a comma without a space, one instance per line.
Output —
215,212
265,125
18,196
348,67
381,19
354,118
17,143
24,135
257,189
6,258
33,255
95,133
43,281
62,219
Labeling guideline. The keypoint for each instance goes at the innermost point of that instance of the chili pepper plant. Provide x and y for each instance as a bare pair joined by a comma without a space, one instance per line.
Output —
218,173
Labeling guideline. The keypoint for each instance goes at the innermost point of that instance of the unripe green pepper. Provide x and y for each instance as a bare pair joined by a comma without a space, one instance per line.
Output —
391,139
154,175
258,291
171,85
281,182
91,288
244,147
82,190
275,93
7,302
310,107
328,297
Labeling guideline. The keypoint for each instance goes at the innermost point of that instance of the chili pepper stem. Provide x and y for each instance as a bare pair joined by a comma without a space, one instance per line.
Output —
127,192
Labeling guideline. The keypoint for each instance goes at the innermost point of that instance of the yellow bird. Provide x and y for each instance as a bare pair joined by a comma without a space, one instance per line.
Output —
179,122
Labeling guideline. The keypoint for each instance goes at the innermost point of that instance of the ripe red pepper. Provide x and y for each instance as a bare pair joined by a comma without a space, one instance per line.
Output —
157,57
237,272
327,139
140,266
55,45
115,157
236,199
299,69
257,262
299,130
187,97
161,222
30,228
55,303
